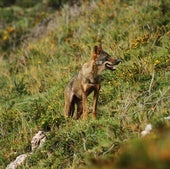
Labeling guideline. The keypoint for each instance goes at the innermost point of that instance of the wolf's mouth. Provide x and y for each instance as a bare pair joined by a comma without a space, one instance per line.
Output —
110,66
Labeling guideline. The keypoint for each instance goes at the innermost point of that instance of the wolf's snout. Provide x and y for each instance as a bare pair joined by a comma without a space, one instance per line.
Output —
118,61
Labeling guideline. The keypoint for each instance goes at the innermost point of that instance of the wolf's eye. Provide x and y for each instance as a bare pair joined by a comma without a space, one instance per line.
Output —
107,57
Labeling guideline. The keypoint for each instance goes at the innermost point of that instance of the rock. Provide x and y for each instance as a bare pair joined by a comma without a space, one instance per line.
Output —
167,118
147,130
18,162
38,140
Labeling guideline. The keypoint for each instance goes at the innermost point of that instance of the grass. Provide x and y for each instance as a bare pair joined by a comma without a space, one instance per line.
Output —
34,74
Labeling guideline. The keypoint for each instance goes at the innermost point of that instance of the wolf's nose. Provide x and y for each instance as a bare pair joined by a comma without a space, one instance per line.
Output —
118,61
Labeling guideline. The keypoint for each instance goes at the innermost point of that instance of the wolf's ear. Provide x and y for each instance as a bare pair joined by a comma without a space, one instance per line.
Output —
95,49
99,49
95,52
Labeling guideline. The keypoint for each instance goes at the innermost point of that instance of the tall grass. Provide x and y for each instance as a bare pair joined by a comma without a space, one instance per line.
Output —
33,78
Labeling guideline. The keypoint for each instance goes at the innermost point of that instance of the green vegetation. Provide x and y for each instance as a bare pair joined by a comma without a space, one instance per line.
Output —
34,71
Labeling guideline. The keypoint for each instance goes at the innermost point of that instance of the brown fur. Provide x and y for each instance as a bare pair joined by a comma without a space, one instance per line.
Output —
87,81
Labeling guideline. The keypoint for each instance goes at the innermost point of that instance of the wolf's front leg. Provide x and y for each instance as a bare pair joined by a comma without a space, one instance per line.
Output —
95,100
85,106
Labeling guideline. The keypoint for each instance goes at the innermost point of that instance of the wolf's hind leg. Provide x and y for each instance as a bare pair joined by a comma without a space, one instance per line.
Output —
69,105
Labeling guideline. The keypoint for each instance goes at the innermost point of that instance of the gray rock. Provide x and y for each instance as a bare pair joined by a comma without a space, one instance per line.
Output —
18,162
38,140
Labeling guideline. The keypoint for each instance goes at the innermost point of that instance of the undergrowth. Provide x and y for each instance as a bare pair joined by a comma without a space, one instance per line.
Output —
34,73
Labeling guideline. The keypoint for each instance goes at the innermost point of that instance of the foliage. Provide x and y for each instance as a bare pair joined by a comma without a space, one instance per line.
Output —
34,71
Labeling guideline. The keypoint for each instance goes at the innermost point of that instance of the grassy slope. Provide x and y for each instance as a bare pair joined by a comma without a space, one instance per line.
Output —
31,95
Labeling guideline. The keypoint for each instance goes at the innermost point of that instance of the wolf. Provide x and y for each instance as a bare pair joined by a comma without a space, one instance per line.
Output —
88,80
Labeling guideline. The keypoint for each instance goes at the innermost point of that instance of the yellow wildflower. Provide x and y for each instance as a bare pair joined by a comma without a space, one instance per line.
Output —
156,62
131,74
10,29
5,36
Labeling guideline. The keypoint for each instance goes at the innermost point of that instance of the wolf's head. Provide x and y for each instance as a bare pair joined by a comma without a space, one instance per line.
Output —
102,60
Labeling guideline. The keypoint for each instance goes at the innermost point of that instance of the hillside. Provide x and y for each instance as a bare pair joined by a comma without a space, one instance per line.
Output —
42,48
